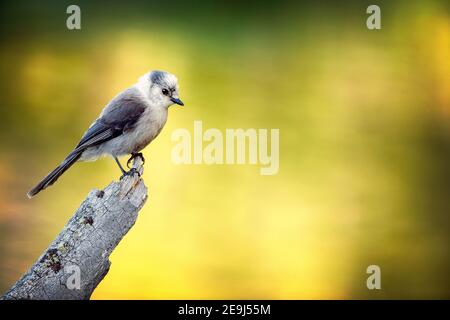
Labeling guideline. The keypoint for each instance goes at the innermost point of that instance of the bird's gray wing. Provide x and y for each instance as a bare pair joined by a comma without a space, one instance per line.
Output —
121,114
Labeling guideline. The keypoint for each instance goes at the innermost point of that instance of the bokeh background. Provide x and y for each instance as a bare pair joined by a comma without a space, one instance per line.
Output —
364,119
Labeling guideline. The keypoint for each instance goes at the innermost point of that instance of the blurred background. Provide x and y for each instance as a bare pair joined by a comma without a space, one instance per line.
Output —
364,119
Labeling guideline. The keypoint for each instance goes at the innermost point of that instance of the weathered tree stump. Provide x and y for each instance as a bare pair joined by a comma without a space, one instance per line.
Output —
78,259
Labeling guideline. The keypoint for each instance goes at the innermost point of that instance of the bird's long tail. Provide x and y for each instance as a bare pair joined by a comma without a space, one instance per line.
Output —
55,174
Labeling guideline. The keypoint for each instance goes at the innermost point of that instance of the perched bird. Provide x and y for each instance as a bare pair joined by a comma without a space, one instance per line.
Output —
128,123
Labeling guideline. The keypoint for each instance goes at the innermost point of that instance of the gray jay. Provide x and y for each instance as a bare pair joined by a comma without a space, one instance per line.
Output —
127,124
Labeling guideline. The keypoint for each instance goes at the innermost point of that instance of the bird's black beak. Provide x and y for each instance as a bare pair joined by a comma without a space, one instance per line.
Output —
177,101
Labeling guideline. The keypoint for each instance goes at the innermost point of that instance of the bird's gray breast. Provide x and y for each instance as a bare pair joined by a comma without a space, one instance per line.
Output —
140,135
147,128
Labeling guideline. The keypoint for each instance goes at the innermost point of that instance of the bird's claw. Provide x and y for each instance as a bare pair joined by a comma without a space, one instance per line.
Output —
134,155
130,172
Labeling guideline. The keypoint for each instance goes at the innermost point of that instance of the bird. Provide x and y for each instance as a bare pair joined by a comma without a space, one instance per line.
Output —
126,125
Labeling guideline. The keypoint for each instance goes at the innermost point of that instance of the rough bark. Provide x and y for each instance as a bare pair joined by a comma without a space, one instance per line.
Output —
82,249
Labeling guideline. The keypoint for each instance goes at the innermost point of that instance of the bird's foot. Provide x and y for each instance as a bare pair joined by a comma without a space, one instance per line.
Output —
134,155
130,172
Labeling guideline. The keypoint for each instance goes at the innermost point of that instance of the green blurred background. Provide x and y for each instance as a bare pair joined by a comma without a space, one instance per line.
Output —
364,119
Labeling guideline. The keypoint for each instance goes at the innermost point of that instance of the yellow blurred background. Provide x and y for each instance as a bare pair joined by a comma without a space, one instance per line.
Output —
364,119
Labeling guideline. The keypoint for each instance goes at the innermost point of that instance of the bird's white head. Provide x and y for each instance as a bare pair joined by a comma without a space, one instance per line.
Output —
161,88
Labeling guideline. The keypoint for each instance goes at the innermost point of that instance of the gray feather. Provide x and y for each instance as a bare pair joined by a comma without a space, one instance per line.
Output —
55,174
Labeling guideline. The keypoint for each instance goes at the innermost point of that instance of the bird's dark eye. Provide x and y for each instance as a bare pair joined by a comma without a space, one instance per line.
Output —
165,92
